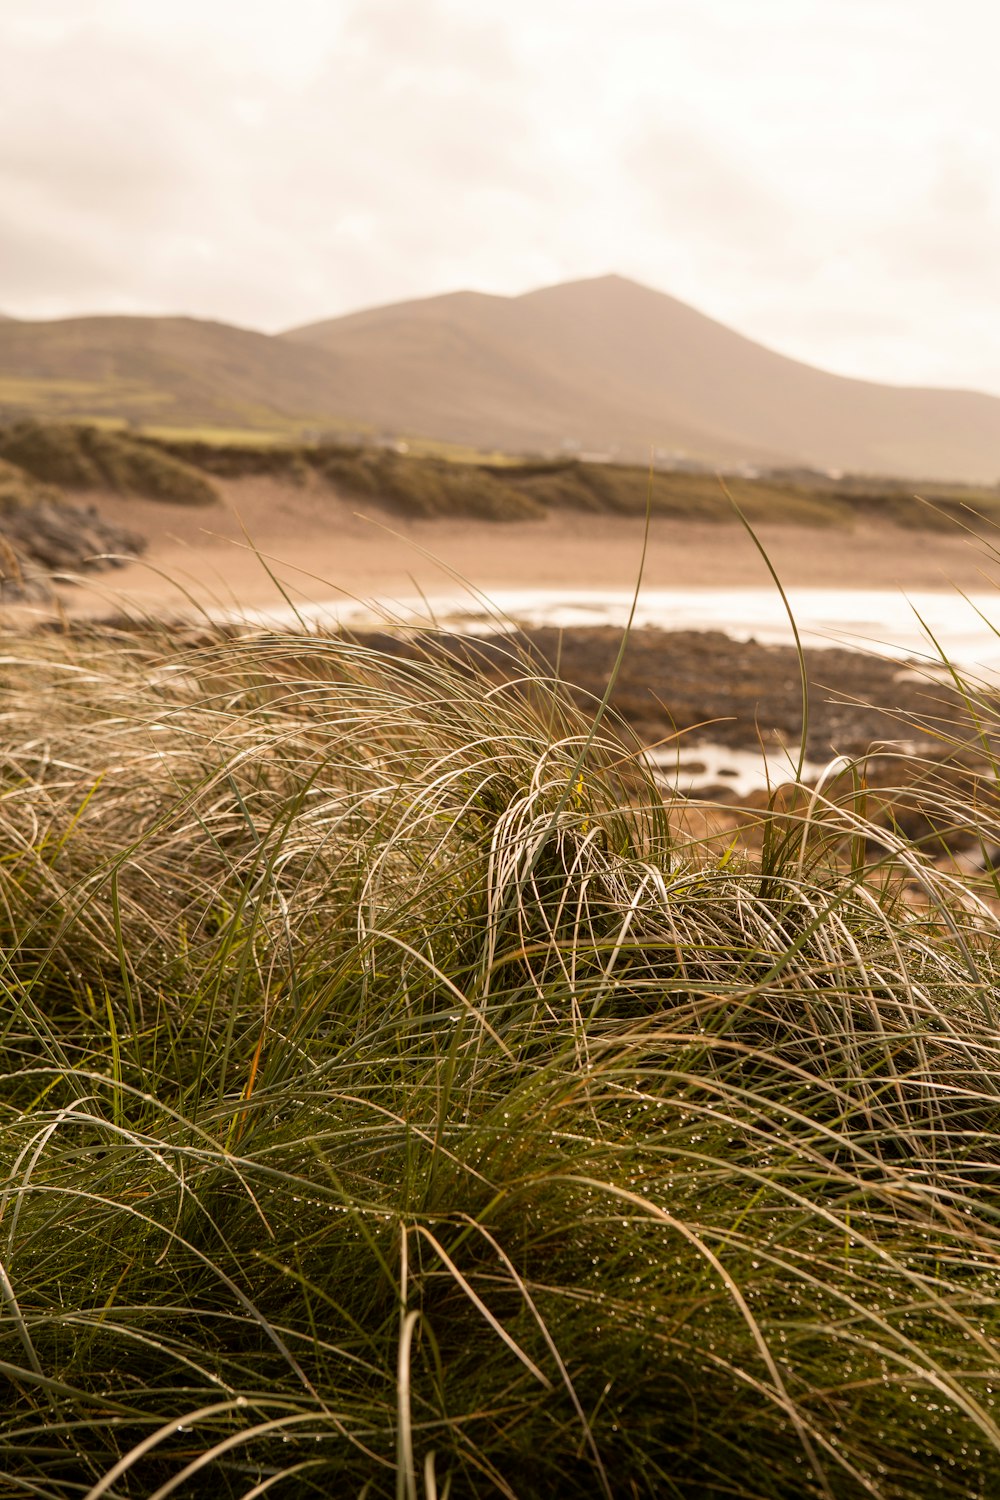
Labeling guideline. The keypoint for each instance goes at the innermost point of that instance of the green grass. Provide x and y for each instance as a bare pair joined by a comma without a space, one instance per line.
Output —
393,1105
101,402
40,390
209,436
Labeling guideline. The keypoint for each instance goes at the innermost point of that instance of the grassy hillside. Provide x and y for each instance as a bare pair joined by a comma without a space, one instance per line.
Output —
77,456
20,490
41,533
392,1103
167,371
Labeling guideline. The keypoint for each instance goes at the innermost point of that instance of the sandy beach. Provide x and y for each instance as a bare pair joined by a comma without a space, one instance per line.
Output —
270,542
268,537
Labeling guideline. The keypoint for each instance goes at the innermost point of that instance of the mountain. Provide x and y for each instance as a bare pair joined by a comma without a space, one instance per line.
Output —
604,365
614,365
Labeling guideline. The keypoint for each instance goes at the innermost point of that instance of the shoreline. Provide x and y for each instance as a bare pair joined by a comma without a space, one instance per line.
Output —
689,688
268,539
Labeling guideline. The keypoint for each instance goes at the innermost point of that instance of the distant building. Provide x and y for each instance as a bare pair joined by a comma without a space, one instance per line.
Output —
676,461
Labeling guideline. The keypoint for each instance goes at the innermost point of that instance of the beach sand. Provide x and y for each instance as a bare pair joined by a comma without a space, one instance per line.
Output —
269,536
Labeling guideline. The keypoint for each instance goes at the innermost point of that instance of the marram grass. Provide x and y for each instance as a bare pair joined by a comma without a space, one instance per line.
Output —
392,1106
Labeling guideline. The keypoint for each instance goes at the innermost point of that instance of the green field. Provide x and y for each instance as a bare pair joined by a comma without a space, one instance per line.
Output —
394,1104
56,399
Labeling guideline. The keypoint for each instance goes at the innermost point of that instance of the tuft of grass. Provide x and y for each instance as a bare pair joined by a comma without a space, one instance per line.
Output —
393,1104
81,457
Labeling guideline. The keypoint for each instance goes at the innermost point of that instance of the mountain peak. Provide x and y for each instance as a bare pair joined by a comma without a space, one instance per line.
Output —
610,281
607,364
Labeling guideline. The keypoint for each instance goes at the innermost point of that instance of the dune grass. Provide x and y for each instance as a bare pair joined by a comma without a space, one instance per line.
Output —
20,490
81,456
393,1104
425,482
429,481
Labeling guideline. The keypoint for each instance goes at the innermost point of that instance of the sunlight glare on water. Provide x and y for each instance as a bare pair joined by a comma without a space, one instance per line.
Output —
965,627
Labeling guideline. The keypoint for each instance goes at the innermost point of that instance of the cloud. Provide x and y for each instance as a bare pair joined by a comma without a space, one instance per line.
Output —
821,176
949,227
910,290
372,173
687,182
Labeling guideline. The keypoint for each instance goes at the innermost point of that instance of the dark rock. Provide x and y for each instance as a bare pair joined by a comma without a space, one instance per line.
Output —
43,535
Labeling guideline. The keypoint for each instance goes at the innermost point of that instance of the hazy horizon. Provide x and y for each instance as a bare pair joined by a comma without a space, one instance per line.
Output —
822,178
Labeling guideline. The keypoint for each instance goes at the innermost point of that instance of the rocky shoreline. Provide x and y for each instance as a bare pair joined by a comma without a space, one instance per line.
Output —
919,756
51,539
909,735
699,686
709,688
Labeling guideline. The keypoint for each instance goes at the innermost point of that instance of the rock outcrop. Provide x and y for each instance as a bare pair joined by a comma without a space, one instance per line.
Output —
43,536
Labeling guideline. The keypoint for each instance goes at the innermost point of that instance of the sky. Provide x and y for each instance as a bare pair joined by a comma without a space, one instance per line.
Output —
822,175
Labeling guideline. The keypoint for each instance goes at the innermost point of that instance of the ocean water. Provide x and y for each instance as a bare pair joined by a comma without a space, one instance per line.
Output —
924,624
689,769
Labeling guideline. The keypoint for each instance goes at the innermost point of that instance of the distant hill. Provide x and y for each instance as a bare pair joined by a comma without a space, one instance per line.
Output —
602,365
174,371
614,365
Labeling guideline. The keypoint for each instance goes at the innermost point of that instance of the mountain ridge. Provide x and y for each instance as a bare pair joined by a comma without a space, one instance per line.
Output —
601,364
666,368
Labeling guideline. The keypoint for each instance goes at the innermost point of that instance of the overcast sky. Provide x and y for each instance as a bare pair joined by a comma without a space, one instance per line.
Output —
823,175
